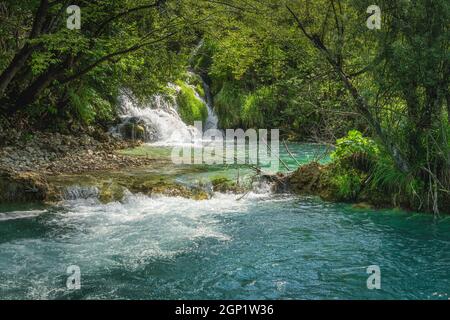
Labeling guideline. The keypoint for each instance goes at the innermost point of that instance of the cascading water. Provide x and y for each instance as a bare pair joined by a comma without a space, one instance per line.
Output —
212,120
80,192
158,122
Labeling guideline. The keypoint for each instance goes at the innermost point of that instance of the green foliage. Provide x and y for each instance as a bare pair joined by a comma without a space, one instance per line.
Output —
202,60
195,81
354,144
190,107
347,184
257,49
88,106
227,104
200,90
40,61
364,170
258,107
75,75
387,178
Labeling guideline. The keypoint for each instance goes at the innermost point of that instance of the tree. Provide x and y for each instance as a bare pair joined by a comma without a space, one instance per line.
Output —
52,63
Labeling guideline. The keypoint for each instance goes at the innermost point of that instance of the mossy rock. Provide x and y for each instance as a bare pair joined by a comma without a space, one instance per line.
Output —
133,131
225,185
111,192
200,91
196,81
23,187
190,108
307,178
168,189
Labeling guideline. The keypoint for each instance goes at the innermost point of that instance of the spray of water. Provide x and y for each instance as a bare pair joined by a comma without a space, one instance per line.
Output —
157,122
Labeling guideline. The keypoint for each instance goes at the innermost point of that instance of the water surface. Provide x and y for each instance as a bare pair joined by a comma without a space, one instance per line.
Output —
262,246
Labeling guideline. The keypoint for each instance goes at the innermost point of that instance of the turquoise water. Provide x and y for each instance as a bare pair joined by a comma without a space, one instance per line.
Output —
262,246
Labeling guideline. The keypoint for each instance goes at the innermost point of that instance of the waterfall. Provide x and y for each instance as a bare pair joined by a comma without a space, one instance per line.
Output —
76,192
212,120
157,121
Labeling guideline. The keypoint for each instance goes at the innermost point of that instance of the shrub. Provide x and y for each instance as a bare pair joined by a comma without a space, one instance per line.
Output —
257,108
353,143
228,104
88,106
347,184
355,151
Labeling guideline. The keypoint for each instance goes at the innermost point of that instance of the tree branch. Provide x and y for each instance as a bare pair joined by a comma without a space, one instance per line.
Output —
361,104
114,54
124,13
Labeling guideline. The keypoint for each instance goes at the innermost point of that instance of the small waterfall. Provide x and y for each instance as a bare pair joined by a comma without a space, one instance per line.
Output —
80,192
213,120
157,121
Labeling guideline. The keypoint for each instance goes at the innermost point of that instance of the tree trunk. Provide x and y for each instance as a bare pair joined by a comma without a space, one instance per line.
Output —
361,104
14,67
33,91
22,56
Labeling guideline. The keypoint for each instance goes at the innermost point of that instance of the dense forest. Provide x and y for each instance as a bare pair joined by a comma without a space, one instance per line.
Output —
313,69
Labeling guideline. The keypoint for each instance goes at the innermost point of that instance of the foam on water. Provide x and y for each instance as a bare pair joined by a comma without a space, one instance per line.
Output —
14,215
128,235
163,124
160,119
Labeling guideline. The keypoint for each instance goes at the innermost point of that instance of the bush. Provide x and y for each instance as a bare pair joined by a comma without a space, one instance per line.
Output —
355,151
257,109
347,185
363,171
354,143
87,106
228,104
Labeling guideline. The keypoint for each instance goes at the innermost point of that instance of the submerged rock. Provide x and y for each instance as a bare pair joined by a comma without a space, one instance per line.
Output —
168,189
225,185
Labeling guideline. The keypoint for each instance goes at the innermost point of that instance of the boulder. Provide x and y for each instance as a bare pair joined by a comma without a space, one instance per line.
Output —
306,180
23,186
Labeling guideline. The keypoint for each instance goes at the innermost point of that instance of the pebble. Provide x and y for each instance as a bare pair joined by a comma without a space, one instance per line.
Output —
54,153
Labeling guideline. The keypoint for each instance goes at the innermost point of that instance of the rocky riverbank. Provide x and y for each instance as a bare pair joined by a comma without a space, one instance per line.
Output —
27,161
54,153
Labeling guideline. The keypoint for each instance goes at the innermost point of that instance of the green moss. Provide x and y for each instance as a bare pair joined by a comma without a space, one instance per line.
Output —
168,189
110,192
200,90
223,184
160,153
190,107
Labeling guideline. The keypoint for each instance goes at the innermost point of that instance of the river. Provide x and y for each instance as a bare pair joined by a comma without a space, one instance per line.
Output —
261,246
